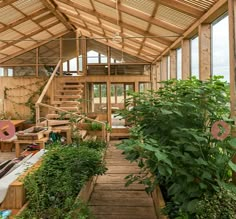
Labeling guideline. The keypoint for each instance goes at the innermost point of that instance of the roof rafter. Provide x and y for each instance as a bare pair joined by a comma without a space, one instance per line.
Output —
57,13
29,35
33,47
143,16
113,21
6,2
182,7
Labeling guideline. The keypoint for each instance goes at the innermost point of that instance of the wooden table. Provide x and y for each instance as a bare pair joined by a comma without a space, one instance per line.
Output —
17,123
18,143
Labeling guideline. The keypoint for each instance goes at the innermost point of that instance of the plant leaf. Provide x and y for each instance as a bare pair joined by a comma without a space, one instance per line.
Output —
232,165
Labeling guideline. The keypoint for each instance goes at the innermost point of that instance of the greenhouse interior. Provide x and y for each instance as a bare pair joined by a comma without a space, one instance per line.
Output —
118,109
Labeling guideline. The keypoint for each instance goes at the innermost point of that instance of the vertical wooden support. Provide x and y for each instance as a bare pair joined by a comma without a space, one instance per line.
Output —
173,63
232,46
158,74
37,62
136,86
109,102
204,32
61,58
85,97
153,77
164,68
185,59
77,52
84,55
109,59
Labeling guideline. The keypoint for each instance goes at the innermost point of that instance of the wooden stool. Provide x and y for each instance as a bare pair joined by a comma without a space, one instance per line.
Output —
66,130
18,143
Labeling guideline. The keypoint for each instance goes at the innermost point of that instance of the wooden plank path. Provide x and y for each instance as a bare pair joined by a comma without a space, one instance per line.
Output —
111,199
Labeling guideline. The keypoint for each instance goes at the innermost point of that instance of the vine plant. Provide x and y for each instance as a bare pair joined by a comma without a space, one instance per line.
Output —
31,94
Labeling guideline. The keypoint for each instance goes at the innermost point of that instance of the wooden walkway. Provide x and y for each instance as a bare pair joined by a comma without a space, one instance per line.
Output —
111,199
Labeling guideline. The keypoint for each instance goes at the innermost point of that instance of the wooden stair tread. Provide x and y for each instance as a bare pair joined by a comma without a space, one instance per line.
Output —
68,96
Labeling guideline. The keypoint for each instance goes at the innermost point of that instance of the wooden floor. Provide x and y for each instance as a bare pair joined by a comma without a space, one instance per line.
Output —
111,199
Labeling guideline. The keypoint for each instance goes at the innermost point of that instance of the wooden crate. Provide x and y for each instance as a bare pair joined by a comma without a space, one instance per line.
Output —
33,133
6,146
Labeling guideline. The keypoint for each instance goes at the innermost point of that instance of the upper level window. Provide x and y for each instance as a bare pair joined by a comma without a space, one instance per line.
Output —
93,57
195,57
1,72
179,64
220,47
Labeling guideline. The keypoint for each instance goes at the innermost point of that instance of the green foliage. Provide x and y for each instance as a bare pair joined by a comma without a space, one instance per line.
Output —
94,144
219,206
94,126
52,189
172,140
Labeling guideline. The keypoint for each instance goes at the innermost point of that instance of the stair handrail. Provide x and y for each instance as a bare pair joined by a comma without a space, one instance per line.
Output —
79,116
45,90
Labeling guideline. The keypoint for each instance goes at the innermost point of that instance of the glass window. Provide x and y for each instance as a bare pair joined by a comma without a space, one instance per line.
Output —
65,66
1,72
220,47
73,64
195,57
168,67
179,64
93,57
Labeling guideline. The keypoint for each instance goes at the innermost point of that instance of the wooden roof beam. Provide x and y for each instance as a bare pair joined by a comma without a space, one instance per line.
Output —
134,29
13,42
58,14
219,8
6,2
116,47
32,47
182,7
143,16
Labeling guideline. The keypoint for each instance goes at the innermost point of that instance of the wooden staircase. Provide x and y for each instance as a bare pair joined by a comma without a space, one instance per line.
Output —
66,97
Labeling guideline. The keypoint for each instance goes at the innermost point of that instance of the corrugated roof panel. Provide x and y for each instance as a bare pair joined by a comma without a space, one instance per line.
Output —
66,7
145,6
2,56
133,34
174,17
149,50
130,42
2,44
202,4
84,3
41,15
152,43
42,36
10,50
8,15
27,7
77,21
26,43
128,19
90,17
27,27
130,50
48,21
165,34
95,28
111,26
106,10
59,28
9,35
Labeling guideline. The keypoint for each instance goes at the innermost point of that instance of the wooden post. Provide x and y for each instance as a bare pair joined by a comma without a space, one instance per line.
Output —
185,59
136,86
173,63
37,62
109,60
84,55
77,52
61,58
109,102
204,31
153,77
232,46
164,68
158,75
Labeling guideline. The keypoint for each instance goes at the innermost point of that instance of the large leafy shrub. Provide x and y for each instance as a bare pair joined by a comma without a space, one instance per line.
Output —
172,140
52,189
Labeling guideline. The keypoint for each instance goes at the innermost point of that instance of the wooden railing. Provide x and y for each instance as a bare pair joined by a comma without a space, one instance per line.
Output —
44,92
103,124
39,104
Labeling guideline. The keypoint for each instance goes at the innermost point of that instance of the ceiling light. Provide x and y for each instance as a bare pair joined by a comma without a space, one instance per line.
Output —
117,38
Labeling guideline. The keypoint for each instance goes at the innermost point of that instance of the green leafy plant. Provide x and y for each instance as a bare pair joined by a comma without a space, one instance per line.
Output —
171,139
52,189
